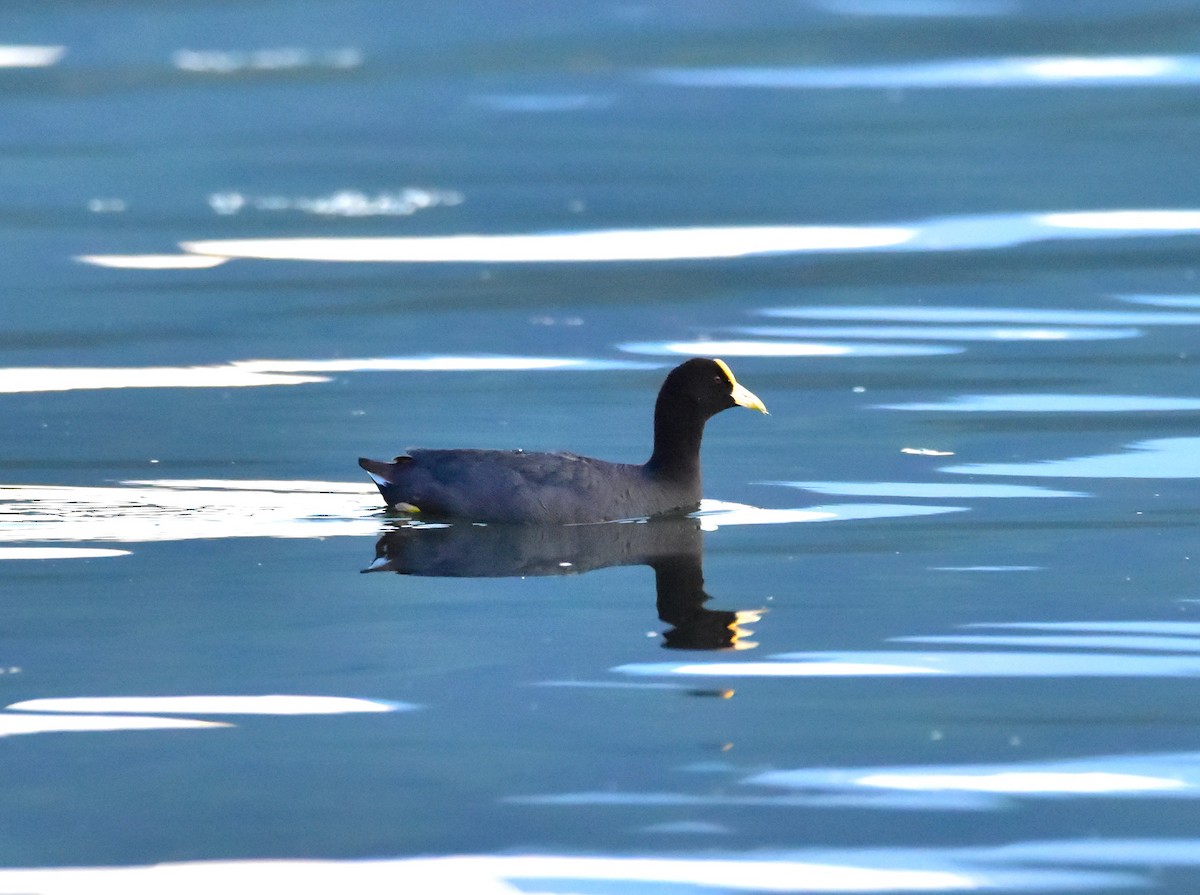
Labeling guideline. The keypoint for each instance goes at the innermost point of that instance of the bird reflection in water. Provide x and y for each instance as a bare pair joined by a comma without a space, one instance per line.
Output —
672,546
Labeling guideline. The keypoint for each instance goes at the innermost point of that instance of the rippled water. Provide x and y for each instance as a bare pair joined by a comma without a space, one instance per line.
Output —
952,245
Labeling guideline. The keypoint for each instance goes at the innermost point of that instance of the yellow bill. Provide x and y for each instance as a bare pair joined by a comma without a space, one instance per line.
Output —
741,395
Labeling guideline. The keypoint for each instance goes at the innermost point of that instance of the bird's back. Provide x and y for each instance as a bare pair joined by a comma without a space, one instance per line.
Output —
523,486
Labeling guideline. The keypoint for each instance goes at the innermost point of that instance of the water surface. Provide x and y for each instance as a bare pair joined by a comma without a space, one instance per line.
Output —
934,628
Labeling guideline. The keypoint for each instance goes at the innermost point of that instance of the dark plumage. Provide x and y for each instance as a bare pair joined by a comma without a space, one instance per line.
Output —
671,545
516,486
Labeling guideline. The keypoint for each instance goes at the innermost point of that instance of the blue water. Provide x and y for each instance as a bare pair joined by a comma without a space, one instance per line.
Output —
935,627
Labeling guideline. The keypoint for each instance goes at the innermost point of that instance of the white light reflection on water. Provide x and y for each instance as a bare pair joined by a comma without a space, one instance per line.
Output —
1051,404
1169,628
148,510
1105,649
295,486
954,491
977,315
996,72
1155,636
153,262
905,663
893,801
985,568
1162,458
686,828
247,373
921,9
88,714
273,704
945,234
19,725
649,244
944,333
747,348
968,232
811,665
714,514
1068,641
16,380
1176,852
342,203
1128,221
57,552
545,102
228,62
1174,775
173,511
1163,301
1082,864
29,56
441,363
810,870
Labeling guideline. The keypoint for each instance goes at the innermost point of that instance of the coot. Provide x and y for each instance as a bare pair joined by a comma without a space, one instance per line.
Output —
558,488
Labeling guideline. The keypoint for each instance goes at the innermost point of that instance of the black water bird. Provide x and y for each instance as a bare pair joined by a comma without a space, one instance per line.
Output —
559,488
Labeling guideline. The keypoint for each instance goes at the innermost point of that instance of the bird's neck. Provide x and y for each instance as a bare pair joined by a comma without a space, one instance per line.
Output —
676,444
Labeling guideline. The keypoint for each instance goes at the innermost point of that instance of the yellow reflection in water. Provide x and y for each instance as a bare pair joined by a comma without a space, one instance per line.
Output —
742,618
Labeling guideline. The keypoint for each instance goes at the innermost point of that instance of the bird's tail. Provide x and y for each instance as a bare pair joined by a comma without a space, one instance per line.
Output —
382,472
389,478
